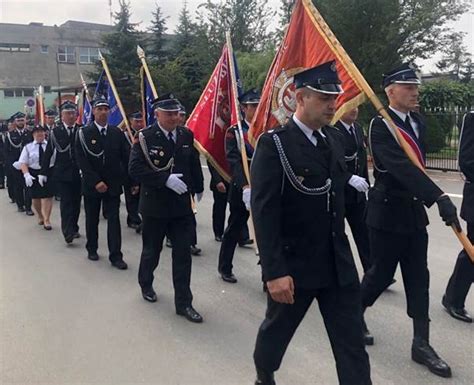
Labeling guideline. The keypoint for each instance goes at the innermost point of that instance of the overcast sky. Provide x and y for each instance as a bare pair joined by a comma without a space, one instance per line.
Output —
52,12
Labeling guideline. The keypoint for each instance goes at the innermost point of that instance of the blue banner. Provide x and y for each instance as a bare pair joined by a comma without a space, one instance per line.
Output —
87,117
147,99
104,88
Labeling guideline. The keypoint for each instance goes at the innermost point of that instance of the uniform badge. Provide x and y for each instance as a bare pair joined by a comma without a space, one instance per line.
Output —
156,162
161,153
300,178
93,141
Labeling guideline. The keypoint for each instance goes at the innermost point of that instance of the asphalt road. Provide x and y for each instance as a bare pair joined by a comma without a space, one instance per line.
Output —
67,320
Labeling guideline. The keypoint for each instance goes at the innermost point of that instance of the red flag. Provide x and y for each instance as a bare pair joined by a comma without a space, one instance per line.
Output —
305,45
214,114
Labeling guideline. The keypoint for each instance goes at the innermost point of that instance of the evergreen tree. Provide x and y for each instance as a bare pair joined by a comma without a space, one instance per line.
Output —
156,43
119,49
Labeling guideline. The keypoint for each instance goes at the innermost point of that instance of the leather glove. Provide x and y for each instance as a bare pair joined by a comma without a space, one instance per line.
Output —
42,179
448,212
246,197
176,184
359,183
28,179
199,196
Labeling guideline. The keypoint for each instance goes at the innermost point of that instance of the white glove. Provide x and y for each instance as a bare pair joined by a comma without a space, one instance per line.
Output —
176,184
42,179
359,183
28,179
246,197
199,196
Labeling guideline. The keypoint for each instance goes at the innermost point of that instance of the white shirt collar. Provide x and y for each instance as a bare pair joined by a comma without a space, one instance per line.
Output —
400,114
167,132
43,142
346,126
99,127
306,130
66,126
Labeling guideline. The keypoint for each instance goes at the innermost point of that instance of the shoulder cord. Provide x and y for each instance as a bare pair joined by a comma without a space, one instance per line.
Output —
56,144
144,147
13,144
463,177
293,178
370,149
85,148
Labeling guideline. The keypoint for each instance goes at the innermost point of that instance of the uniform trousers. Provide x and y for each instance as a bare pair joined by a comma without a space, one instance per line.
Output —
131,203
111,205
237,220
388,250
70,205
21,193
179,230
218,216
342,315
2,173
463,275
355,215
10,181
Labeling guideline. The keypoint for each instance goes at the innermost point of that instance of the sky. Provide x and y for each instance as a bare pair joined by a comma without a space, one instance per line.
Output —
52,12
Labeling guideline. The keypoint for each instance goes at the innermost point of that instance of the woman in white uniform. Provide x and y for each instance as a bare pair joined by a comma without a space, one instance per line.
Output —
30,164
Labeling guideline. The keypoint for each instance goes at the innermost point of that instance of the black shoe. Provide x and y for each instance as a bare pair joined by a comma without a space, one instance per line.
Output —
264,287
195,250
93,256
2,186
149,295
21,209
29,212
459,313
190,314
368,337
424,354
168,243
76,235
57,198
246,242
264,377
12,200
69,239
230,278
47,227
120,264
138,230
133,225
218,238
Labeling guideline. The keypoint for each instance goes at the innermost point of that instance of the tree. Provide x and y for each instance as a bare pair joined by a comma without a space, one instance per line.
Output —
380,34
253,68
456,59
247,20
119,49
156,41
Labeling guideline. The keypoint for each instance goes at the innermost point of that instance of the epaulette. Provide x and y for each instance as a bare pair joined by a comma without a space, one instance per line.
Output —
277,130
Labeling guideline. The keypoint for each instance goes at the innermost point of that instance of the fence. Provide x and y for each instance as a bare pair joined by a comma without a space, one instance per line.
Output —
442,137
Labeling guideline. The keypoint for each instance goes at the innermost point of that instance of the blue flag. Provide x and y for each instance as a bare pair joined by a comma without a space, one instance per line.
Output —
240,88
147,98
105,89
87,117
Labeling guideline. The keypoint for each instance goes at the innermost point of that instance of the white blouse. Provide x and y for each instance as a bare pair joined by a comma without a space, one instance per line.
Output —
30,155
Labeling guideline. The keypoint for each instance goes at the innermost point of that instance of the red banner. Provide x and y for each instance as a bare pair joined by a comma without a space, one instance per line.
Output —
305,45
214,114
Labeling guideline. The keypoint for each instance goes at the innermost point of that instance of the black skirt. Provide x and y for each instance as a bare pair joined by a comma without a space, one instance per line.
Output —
38,191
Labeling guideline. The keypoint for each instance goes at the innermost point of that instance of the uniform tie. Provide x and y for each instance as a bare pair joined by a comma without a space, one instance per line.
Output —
410,127
41,153
353,133
171,140
321,141
103,132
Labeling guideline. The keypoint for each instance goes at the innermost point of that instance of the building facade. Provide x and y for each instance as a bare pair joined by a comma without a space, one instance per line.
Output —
52,56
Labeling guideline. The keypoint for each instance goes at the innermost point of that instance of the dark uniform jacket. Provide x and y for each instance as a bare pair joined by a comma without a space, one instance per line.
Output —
357,166
401,190
234,158
129,181
65,166
157,200
296,233
108,167
466,163
14,143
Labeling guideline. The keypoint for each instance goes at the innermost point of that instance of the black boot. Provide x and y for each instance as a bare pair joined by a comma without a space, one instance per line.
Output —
264,377
368,337
423,353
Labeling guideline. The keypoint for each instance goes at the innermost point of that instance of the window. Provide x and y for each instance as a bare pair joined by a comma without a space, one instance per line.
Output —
18,92
14,47
88,55
44,49
66,54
